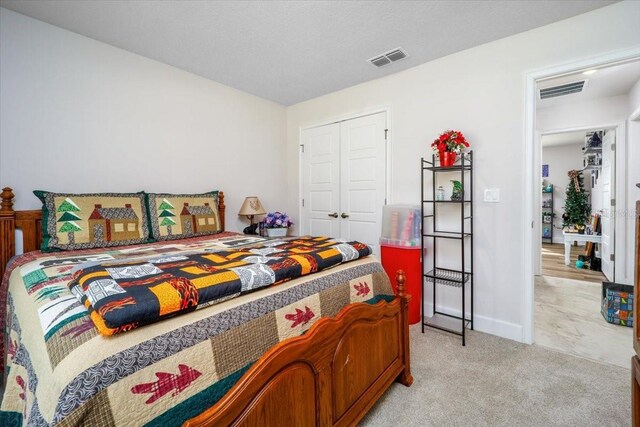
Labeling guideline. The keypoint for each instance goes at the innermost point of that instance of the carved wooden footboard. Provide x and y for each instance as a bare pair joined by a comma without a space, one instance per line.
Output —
331,376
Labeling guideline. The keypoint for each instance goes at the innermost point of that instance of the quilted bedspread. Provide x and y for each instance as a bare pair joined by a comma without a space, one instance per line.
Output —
60,371
124,295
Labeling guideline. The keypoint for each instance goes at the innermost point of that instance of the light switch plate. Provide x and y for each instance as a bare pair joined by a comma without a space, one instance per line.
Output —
492,195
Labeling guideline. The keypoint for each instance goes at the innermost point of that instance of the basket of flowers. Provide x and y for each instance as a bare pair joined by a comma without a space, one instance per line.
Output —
448,145
276,224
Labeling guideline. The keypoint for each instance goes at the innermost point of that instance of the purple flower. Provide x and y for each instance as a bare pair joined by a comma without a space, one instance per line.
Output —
277,220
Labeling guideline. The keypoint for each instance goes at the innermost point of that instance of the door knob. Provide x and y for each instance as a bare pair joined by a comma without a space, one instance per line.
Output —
344,215
335,215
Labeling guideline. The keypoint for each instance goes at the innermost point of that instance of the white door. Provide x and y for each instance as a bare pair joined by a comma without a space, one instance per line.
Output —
363,178
343,169
607,180
321,180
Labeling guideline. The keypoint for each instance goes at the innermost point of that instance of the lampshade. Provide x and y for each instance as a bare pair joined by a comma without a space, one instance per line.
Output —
251,206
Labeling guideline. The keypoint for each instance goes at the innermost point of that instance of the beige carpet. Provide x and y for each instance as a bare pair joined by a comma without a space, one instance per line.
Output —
498,382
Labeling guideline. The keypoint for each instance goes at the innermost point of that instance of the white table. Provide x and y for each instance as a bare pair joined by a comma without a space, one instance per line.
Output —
569,238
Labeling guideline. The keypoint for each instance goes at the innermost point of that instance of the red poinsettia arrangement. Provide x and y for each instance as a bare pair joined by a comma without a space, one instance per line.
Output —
452,141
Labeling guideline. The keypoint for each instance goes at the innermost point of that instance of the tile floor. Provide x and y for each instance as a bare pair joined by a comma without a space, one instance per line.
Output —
568,319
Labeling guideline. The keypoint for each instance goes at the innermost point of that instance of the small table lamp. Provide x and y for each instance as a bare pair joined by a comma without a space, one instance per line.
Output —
250,208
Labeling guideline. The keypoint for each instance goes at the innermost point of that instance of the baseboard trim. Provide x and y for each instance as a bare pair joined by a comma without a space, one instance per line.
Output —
486,324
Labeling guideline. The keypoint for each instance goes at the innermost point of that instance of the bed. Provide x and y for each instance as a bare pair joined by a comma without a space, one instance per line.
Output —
344,339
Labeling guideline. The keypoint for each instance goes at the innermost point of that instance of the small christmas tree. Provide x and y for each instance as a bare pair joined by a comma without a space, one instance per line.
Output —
577,209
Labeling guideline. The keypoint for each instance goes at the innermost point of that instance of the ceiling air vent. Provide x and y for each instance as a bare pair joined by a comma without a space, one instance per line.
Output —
379,61
388,57
566,89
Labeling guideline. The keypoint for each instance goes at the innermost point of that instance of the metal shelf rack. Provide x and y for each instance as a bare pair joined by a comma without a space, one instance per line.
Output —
547,195
437,276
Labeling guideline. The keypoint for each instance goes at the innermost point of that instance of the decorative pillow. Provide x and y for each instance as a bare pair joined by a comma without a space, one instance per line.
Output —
178,216
84,221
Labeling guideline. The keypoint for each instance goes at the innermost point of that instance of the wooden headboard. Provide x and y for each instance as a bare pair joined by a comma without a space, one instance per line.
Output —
30,222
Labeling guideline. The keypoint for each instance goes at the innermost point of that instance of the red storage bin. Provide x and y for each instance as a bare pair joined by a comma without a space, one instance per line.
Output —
410,260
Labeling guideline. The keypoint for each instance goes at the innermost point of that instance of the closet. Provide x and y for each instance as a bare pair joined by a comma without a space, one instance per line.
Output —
343,177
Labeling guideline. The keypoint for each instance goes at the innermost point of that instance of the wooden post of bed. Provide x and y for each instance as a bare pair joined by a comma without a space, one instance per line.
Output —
28,221
7,229
405,378
221,209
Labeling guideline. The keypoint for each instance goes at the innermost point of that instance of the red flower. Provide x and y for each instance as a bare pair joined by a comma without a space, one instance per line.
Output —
450,140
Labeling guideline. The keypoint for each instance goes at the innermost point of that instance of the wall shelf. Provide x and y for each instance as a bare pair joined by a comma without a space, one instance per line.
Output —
592,150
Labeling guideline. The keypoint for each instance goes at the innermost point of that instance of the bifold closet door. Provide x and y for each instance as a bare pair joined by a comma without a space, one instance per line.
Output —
343,169
363,178
321,180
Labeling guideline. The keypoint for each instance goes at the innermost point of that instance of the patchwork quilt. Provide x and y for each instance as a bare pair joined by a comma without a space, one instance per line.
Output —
60,371
124,295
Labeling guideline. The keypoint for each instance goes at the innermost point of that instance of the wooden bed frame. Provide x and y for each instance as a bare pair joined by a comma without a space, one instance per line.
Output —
330,376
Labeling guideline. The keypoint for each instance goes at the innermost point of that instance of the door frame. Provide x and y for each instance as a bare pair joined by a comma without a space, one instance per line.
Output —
341,118
532,164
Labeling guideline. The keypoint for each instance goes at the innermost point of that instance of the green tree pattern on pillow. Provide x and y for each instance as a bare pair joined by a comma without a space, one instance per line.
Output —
166,213
68,218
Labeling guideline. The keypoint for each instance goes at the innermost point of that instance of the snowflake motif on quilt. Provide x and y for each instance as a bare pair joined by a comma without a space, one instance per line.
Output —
347,251
254,276
265,251
273,243
170,258
133,272
257,259
103,288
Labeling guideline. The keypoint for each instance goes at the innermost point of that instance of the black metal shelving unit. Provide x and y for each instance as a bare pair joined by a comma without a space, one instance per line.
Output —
547,196
438,276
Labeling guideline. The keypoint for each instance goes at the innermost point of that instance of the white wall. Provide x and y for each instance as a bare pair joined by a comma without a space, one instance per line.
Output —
561,159
634,98
633,160
480,91
589,113
78,115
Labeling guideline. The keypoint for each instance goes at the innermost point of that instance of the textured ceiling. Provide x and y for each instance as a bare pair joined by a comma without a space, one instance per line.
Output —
291,51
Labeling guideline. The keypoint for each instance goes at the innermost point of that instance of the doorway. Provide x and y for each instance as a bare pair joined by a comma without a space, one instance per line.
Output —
578,142
344,179
568,290
588,154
